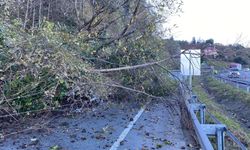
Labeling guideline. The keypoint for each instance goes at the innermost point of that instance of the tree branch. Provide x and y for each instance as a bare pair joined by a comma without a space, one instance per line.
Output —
127,67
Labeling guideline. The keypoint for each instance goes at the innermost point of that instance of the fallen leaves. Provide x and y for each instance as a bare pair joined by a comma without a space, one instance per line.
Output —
34,141
56,147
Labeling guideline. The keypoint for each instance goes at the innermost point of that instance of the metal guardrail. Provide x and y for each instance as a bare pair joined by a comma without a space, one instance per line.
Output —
203,130
237,82
202,137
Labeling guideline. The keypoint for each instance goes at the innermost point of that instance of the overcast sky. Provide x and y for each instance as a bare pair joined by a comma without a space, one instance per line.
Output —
223,20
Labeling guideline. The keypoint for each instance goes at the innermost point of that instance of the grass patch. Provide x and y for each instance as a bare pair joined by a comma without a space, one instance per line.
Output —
227,92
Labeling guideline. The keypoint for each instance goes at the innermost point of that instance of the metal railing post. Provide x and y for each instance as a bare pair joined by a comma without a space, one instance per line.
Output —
220,134
194,99
202,114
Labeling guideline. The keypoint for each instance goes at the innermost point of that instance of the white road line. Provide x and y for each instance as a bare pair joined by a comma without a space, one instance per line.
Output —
129,127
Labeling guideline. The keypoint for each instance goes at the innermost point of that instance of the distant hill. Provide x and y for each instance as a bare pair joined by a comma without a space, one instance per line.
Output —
219,52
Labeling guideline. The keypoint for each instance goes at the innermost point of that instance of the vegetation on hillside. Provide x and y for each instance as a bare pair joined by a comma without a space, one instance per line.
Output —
49,49
226,53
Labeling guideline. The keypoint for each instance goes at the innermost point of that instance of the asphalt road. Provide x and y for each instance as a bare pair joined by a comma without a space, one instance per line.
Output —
244,76
158,127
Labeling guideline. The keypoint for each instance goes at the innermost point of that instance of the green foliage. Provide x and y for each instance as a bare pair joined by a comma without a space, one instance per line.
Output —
43,70
210,41
193,40
48,65
217,64
240,60
152,80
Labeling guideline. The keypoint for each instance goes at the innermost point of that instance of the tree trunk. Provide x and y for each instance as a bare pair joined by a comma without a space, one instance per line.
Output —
77,12
48,11
33,17
40,13
18,9
26,14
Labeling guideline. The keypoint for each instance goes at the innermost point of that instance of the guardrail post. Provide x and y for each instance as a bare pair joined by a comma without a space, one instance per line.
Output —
220,133
202,114
198,107
194,99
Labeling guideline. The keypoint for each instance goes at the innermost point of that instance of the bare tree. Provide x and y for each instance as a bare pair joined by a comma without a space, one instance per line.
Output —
40,13
26,14
33,16
49,7
18,9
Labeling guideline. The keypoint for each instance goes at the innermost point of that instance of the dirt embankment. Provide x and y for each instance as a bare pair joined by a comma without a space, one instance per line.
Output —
239,110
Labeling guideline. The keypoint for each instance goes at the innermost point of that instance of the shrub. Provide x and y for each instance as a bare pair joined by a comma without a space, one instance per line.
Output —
41,71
